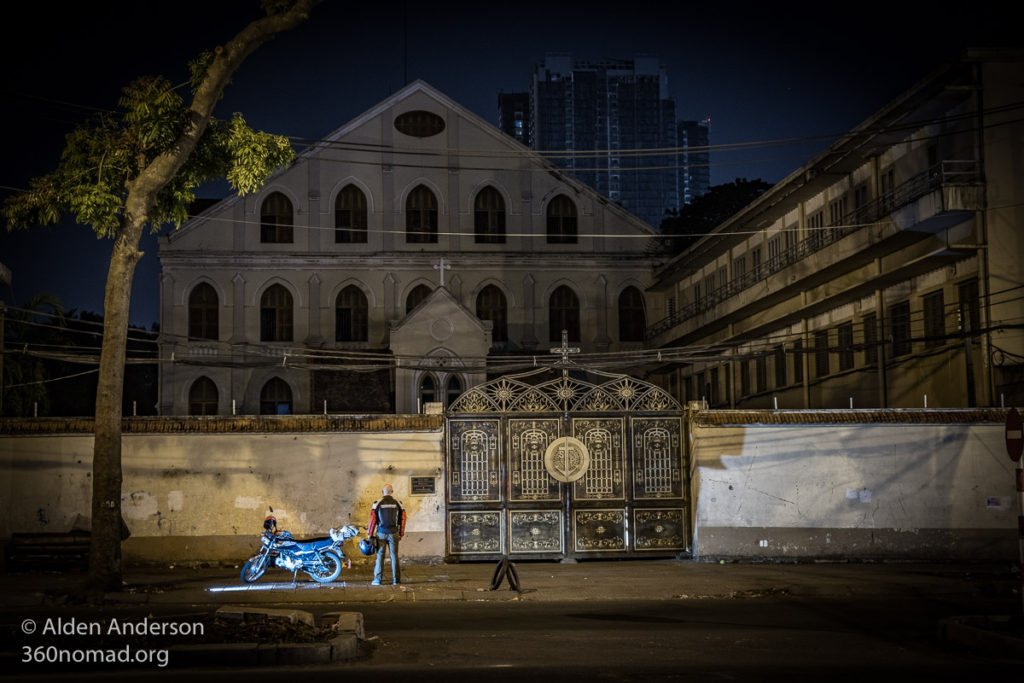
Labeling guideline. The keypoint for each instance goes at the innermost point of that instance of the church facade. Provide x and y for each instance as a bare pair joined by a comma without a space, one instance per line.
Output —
398,262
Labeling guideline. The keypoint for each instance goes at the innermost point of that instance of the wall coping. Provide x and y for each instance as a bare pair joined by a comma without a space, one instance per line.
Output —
221,424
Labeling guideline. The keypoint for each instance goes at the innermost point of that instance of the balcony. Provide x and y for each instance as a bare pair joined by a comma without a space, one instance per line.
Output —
926,203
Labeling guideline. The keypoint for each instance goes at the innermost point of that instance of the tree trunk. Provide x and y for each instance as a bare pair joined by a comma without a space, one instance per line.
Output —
105,543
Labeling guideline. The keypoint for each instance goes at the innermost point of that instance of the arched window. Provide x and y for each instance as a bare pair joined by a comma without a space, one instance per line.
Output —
276,315
489,217
276,398
350,316
632,319
202,397
563,314
276,219
561,221
350,216
452,390
418,294
428,390
491,305
421,216
203,312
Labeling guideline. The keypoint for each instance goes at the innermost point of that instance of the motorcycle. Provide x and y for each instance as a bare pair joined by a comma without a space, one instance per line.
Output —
321,558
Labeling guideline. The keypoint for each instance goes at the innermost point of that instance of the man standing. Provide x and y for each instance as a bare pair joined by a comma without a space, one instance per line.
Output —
387,522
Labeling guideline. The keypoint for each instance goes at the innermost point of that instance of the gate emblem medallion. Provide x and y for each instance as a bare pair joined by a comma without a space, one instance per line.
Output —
567,459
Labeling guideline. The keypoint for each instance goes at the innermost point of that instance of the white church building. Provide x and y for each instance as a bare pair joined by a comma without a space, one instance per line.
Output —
403,259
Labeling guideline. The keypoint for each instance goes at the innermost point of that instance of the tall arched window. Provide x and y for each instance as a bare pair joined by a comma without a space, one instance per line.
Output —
489,217
276,314
421,216
276,398
203,312
563,314
350,216
428,390
561,221
453,389
418,294
350,316
491,305
276,219
202,397
632,319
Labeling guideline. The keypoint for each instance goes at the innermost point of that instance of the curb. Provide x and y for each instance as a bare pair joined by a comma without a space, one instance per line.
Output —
982,633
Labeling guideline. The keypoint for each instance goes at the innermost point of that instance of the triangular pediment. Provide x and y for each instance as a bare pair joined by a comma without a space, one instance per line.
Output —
440,322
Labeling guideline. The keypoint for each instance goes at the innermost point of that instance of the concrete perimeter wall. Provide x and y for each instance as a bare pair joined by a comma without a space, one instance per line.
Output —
203,497
853,491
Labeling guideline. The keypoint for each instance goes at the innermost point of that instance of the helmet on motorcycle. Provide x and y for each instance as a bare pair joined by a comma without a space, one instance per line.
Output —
270,523
366,546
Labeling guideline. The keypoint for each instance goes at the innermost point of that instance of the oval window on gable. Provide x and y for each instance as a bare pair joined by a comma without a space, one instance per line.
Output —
419,124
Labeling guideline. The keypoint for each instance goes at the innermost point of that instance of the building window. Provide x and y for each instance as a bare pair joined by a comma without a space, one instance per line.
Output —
276,315
427,391
416,296
492,305
761,373
489,217
713,397
563,314
561,221
276,398
276,219
350,216
870,322
739,267
419,124
899,324
755,261
798,361
780,366
700,391
970,312
815,231
452,390
632,320
821,353
421,216
203,312
351,316
202,397
934,319
844,342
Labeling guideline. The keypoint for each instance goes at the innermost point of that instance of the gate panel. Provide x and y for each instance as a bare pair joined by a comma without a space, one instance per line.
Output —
473,461
535,531
604,440
527,443
599,530
476,532
657,458
659,529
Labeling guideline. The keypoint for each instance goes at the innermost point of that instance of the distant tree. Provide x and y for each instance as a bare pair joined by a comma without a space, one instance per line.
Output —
124,172
25,374
709,211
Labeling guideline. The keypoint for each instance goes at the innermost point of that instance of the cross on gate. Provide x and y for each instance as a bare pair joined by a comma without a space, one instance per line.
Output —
442,266
565,349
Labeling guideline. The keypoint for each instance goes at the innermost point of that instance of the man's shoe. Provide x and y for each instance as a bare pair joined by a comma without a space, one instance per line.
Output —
375,583
397,582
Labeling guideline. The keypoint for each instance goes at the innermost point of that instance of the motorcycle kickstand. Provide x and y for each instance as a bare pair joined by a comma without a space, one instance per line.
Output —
295,574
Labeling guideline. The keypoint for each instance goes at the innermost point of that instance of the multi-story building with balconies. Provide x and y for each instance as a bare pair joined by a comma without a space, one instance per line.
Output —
886,272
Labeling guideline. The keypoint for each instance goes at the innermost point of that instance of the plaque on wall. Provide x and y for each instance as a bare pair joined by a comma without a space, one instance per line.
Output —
473,463
659,529
657,457
535,531
599,530
604,441
476,533
422,486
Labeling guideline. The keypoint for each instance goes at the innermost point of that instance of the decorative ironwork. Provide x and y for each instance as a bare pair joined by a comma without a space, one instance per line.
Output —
473,461
528,441
599,530
536,531
657,458
514,394
604,440
659,529
475,533
567,459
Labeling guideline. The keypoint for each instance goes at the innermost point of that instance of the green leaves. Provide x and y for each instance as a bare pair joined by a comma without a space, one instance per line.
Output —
254,155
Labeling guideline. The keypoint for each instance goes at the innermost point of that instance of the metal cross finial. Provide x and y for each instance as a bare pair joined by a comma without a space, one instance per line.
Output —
442,266
565,349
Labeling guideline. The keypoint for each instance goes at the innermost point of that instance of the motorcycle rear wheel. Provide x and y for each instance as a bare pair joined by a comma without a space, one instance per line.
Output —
327,569
255,568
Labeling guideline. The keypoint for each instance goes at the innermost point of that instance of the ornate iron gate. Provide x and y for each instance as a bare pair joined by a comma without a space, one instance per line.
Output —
516,484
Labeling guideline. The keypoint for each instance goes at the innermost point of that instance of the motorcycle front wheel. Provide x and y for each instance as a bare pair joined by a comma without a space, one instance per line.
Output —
255,567
327,569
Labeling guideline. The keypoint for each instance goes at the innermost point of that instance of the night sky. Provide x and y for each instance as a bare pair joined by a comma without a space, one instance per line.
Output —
761,72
